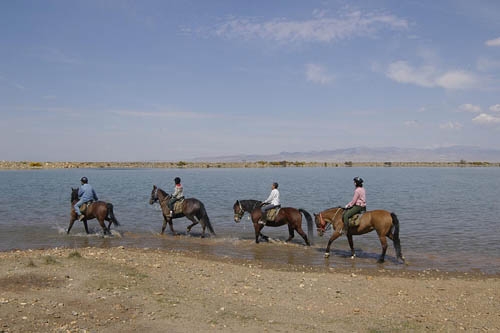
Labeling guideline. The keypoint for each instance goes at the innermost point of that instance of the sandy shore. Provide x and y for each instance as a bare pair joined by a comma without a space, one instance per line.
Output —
125,290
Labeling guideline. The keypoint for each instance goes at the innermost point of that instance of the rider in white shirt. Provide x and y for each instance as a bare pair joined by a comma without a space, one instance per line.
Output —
273,201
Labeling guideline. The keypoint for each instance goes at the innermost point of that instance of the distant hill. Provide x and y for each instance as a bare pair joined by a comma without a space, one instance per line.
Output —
366,154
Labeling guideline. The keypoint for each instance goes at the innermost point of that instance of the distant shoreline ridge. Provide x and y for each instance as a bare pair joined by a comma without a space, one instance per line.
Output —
21,165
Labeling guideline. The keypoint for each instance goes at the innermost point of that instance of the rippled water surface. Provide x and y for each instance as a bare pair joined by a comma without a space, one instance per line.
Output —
449,216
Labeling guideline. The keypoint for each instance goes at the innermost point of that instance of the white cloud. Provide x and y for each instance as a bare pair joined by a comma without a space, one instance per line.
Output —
412,123
486,119
400,71
493,42
317,74
451,126
495,108
470,108
457,80
318,29
428,76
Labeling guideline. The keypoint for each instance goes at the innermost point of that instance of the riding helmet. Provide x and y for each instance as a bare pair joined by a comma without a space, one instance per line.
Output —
358,181
177,180
84,180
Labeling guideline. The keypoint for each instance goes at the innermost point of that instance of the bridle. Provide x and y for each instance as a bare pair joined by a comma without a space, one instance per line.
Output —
239,214
322,222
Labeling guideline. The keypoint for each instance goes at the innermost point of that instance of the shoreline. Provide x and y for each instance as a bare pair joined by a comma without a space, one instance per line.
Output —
34,165
129,289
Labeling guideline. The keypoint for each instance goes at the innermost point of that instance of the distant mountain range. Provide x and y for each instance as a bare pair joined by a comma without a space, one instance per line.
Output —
366,154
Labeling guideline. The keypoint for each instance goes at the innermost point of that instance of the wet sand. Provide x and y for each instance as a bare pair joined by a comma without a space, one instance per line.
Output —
127,289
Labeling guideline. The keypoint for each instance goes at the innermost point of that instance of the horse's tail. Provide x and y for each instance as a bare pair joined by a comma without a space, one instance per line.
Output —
396,240
204,219
111,214
309,224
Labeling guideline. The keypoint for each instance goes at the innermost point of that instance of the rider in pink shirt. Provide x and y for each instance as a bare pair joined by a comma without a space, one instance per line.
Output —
357,204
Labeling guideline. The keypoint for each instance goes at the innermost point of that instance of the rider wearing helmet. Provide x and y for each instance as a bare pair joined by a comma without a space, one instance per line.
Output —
86,194
357,204
178,195
273,201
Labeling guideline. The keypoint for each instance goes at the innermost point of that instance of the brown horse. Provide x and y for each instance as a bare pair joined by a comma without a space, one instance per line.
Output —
385,223
192,208
100,210
287,215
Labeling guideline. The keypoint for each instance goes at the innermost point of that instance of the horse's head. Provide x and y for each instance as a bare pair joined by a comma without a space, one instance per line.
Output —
238,211
157,194
154,195
74,194
320,223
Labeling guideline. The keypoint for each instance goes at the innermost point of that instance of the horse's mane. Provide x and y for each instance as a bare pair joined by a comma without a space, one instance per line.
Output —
162,192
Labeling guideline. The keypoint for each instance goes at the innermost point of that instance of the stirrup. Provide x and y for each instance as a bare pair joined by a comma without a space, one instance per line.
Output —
261,222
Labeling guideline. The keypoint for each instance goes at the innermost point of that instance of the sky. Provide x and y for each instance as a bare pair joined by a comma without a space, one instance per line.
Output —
170,80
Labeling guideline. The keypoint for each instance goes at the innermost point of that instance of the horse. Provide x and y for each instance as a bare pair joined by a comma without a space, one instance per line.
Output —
385,223
192,208
100,210
286,215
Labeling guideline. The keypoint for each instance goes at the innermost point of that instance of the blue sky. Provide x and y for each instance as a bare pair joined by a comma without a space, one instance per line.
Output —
171,80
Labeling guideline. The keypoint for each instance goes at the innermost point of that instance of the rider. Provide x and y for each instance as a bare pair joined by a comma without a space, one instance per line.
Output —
178,195
273,201
86,194
357,204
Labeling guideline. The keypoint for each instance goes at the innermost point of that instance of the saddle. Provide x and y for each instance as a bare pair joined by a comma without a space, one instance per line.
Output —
178,206
272,213
355,219
85,206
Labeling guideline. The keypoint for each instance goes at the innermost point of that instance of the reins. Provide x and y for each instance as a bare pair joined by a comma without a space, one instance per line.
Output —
323,223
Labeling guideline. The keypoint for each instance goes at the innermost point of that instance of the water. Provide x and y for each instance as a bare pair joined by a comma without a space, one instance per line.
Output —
448,216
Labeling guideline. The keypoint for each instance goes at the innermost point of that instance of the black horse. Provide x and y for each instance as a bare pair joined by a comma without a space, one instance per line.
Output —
192,208
286,215
100,210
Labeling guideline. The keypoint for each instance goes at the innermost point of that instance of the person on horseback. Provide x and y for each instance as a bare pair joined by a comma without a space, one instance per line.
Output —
178,195
357,204
273,201
86,194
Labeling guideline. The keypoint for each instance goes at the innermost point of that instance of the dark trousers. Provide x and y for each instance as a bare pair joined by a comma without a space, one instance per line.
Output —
265,208
350,212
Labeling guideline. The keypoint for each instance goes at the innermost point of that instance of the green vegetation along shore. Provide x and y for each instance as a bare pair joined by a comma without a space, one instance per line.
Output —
21,165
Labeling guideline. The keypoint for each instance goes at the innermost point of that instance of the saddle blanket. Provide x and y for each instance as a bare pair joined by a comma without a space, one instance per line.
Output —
85,206
178,206
355,219
271,214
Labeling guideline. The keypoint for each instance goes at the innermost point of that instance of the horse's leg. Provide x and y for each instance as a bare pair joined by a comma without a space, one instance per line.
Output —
86,226
383,242
170,225
195,222
164,226
351,245
301,232
71,221
291,233
335,235
103,226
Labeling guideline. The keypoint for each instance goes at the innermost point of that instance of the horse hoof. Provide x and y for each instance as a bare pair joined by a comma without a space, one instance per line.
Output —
353,256
327,255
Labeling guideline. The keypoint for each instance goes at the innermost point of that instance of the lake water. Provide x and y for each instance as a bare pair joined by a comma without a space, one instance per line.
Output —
449,217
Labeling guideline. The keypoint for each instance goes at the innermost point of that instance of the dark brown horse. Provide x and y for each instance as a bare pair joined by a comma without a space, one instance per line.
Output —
100,210
385,223
192,208
286,215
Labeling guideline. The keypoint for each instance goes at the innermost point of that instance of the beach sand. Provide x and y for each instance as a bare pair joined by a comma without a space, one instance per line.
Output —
147,290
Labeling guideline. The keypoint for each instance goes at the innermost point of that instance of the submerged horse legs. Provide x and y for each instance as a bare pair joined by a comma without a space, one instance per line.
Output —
168,220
